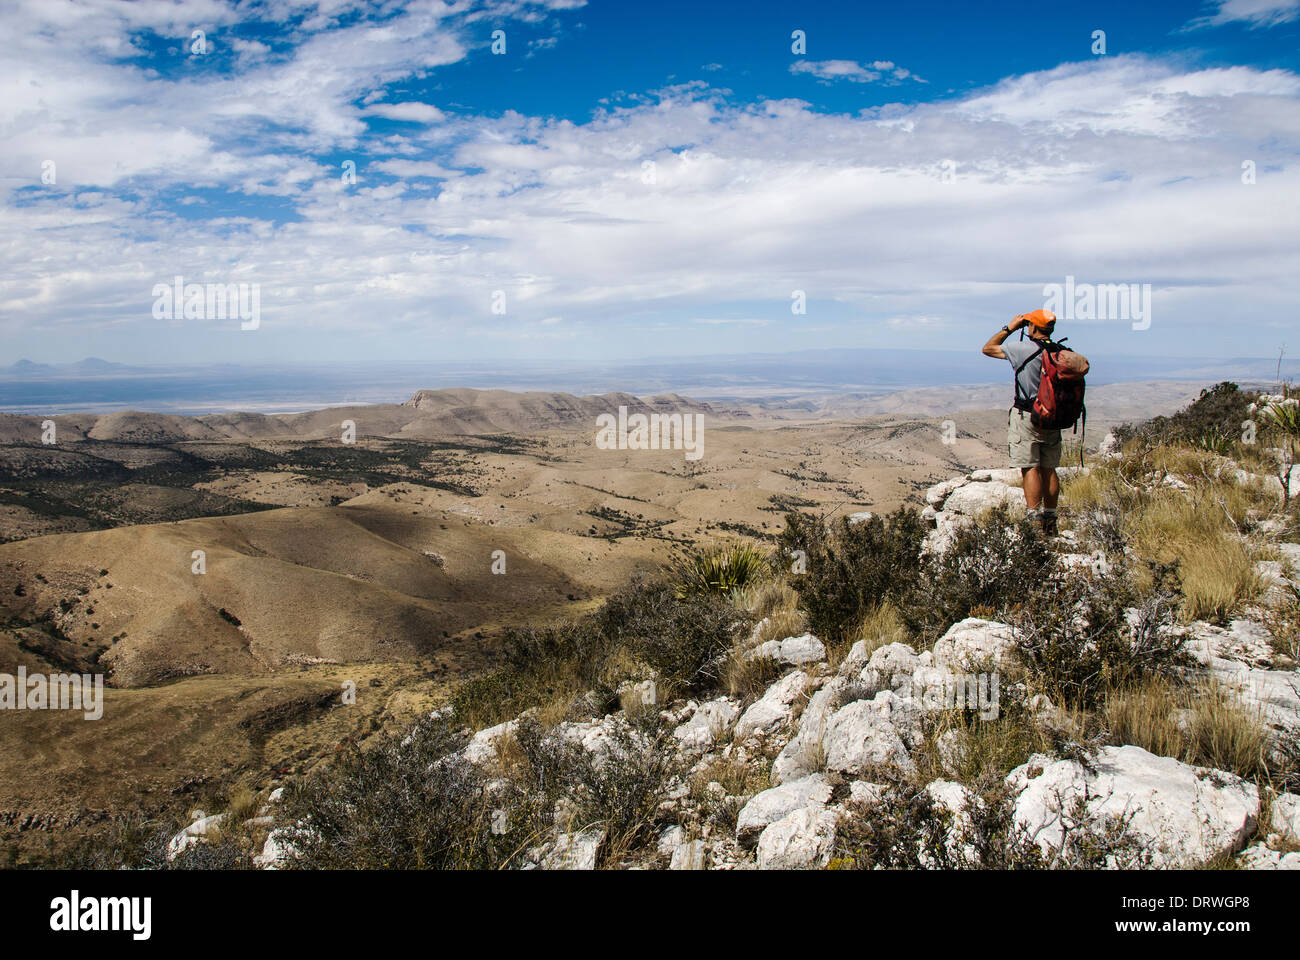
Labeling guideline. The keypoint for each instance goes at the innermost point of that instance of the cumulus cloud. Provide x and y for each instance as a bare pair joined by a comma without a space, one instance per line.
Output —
1254,13
409,111
828,71
936,215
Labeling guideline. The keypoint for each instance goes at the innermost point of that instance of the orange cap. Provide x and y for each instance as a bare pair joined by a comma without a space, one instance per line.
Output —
1040,318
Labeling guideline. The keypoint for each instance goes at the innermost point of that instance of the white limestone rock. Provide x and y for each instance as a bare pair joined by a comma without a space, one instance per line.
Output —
670,840
574,851
973,499
1284,821
691,855
779,802
775,709
795,651
803,754
484,747
635,695
197,832
708,724
1110,447
1242,640
855,661
869,794
1274,695
1260,857
860,739
973,645
936,495
1183,815
801,841
888,662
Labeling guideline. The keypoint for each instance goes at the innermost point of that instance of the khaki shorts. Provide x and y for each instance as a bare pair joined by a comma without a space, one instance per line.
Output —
1031,447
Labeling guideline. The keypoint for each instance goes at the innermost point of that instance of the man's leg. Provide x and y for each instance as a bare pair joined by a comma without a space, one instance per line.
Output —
1033,481
1052,489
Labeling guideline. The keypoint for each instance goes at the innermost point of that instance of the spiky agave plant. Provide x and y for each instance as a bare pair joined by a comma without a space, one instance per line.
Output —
1280,417
719,570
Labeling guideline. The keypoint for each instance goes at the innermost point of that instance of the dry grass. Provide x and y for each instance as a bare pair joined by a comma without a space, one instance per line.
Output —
746,679
1218,577
986,750
766,598
1200,725
781,624
1201,533
882,626
1084,491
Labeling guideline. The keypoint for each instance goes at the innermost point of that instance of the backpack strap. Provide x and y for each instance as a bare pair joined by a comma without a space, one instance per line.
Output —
1083,435
1016,378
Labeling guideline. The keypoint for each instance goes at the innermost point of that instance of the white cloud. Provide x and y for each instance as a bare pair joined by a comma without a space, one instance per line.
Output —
828,71
413,112
1255,13
1114,170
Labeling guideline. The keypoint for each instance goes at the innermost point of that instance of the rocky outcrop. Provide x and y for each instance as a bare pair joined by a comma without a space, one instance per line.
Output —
974,645
792,651
803,840
775,708
956,502
1180,815
709,723
772,805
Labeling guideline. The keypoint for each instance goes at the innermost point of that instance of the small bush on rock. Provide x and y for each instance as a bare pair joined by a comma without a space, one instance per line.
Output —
407,803
1074,635
850,569
992,565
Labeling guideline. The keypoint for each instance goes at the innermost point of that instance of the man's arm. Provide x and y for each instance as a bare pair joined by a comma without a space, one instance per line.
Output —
994,347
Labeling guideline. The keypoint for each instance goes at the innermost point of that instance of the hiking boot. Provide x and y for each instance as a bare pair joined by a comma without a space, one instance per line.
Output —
1048,521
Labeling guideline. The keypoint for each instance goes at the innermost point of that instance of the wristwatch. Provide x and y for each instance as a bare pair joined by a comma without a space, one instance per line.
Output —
1006,328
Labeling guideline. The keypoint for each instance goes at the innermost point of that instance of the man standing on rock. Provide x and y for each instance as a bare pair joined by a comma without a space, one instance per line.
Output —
1037,452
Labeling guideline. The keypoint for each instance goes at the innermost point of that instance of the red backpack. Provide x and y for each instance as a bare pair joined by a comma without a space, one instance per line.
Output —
1059,403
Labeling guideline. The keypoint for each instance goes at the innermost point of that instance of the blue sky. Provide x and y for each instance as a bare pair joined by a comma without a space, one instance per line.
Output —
637,181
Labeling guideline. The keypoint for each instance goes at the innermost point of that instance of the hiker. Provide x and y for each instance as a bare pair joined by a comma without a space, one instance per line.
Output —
1048,396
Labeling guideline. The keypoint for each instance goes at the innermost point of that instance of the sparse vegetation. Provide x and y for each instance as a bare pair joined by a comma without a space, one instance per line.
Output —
720,570
845,570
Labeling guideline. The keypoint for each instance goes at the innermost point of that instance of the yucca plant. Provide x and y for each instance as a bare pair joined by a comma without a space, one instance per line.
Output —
719,570
1214,441
1279,414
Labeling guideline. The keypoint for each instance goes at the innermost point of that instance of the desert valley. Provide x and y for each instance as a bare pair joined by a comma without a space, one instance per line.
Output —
234,576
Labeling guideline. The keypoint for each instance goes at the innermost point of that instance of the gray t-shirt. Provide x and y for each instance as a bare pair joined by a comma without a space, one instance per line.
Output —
1018,351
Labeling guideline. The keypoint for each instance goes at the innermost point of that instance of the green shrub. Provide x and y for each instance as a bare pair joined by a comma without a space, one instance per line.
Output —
405,803
720,570
1210,422
1074,635
907,829
619,789
683,639
991,565
848,570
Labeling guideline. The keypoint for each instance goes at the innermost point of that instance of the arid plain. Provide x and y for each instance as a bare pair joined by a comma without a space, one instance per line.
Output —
236,576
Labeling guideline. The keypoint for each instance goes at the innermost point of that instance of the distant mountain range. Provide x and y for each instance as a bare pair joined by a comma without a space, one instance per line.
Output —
800,379
90,367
